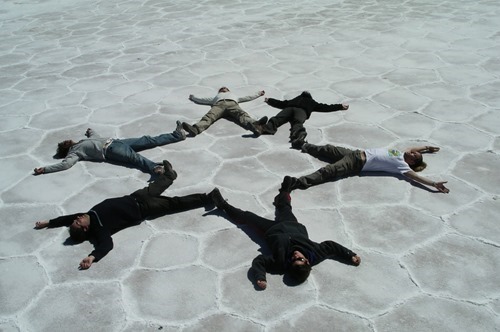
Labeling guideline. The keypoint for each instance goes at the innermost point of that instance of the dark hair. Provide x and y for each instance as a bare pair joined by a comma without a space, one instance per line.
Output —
306,94
77,234
419,165
63,149
300,273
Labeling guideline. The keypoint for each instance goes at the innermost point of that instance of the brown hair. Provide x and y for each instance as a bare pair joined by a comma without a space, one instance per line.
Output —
63,149
78,234
300,273
419,165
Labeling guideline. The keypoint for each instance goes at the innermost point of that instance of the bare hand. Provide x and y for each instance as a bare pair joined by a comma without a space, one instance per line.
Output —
262,284
261,93
432,149
356,260
39,170
86,262
41,224
191,97
87,133
265,100
440,186
345,107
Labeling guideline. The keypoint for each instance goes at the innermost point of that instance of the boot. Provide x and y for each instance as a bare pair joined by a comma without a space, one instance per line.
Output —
217,199
192,130
169,170
263,120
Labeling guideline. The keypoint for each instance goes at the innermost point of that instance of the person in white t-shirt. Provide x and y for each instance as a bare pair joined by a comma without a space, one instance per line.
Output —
346,162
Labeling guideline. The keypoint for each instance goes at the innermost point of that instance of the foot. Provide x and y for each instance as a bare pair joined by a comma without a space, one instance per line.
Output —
286,185
217,198
298,143
179,131
169,170
190,129
263,120
256,128
159,170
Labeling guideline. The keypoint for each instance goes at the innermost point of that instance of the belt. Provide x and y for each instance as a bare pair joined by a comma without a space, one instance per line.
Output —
105,147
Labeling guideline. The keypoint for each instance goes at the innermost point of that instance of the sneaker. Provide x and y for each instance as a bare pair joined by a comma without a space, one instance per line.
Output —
217,198
190,129
168,170
256,128
286,185
179,131
159,170
298,143
263,120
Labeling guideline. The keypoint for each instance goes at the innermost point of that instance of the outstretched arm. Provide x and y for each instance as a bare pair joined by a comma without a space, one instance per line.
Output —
201,101
260,265
251,97
334,249
423,180
424,149
67,163
331,108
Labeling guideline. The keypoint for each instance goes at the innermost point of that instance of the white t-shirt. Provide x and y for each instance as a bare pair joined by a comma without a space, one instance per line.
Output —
385,160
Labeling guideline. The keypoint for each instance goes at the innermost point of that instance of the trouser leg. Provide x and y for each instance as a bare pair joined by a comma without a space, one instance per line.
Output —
216,112
329,152
284,207
239,216
278,120
155,188
297,130
120,152
156,206
348,165
148,142
237,114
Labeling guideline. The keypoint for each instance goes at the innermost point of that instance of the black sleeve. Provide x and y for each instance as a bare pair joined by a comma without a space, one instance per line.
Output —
262,264
277,103
328,108
103,244
329,249
63,220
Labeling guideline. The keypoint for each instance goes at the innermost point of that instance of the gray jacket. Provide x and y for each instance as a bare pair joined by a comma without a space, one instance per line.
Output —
91,148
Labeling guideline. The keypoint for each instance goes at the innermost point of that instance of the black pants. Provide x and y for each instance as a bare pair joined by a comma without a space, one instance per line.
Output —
283,213
152,204
294,115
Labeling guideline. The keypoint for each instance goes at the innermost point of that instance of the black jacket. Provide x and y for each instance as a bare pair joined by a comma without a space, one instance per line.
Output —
305,102
106,218
284,239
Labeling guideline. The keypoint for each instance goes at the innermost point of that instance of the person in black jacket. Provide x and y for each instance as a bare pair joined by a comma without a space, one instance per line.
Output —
114,214
295,111
292,250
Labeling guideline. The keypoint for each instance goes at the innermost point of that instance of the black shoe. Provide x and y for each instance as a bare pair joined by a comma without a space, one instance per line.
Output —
190,129
169,170
298,143
286,185
217,198
256,128
263,120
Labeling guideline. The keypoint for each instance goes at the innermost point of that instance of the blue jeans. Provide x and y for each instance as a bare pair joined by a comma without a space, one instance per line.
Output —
124,151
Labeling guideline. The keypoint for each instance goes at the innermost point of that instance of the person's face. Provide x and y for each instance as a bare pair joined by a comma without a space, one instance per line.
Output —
223,89
413,158
299,259
81,222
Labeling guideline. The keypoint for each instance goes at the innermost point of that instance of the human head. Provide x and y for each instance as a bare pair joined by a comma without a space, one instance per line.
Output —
224,89
63,148
306,94
415,160
300,268
78,230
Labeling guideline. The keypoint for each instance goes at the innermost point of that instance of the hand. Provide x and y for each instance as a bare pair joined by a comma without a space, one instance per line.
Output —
261,93
432,149
440,186
39,170
41,224
191,97
86,262
345,107
356,260
265,100
262,284
87,133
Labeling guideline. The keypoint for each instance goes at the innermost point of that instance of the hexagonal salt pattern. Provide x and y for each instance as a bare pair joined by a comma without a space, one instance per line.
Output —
414,73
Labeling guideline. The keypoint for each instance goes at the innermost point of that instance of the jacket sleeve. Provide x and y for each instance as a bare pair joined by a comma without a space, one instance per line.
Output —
281,104
328,108
202,101
103,244
261,264
67,163
248,98
333,249
63,220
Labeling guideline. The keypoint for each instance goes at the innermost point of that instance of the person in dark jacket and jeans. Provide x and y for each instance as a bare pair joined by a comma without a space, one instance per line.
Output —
295,111
292,250
114,214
